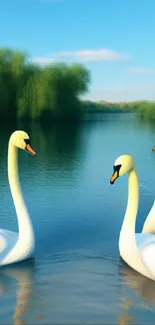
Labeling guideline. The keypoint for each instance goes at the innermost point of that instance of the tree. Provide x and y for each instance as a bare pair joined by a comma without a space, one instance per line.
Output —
29,91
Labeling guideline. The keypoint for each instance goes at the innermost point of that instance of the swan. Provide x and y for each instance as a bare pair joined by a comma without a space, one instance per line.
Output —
149,224
148,249
15,247
131,243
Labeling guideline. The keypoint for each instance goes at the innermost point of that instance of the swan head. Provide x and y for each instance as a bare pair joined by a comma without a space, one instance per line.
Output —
21,140
122,165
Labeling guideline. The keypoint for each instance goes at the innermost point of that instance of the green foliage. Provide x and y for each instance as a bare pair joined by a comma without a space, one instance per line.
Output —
146,111
32,92
103,106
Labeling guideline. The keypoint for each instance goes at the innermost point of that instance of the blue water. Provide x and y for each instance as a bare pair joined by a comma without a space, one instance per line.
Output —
77,276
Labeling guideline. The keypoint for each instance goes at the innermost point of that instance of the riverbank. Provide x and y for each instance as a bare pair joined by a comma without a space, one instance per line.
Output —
145,110
124,107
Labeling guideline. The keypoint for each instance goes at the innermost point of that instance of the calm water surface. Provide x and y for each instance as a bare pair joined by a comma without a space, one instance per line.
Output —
77,276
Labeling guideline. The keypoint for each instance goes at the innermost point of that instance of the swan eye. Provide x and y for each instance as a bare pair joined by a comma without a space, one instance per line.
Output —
27,141
117,168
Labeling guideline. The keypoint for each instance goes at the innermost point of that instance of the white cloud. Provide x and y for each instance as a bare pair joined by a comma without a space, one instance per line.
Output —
83,56
93,55
142,70
129,93
42,60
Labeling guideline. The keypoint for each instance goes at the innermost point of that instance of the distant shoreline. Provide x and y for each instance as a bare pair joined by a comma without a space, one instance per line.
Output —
144,109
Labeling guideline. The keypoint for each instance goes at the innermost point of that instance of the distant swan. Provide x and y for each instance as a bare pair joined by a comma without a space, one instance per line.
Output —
131,244
15,247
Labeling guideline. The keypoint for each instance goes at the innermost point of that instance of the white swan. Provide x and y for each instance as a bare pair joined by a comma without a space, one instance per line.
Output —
148,250
15,247
130,244
149,224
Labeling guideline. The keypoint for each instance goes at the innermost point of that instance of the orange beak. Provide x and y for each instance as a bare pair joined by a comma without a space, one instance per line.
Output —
30,150
153,149
113,177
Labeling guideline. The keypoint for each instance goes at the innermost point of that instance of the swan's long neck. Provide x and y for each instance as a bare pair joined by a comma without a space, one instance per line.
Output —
127,234
24,223
132,204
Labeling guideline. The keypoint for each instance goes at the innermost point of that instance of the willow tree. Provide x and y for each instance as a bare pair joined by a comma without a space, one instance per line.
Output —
65,84
52,93
28,91
12,65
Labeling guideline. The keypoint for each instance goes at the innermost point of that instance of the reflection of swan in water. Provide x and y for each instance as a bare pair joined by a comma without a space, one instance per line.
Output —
23,275
125,318
141,286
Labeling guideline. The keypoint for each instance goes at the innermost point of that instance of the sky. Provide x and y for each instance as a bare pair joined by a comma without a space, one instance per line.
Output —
114,39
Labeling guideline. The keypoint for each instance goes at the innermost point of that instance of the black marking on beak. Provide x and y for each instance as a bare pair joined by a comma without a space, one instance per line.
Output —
115,174
29,148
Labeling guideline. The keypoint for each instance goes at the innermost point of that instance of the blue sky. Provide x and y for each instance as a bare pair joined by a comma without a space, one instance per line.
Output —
114,39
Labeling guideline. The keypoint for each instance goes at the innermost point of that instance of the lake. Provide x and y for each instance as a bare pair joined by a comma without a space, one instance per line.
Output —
77,276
